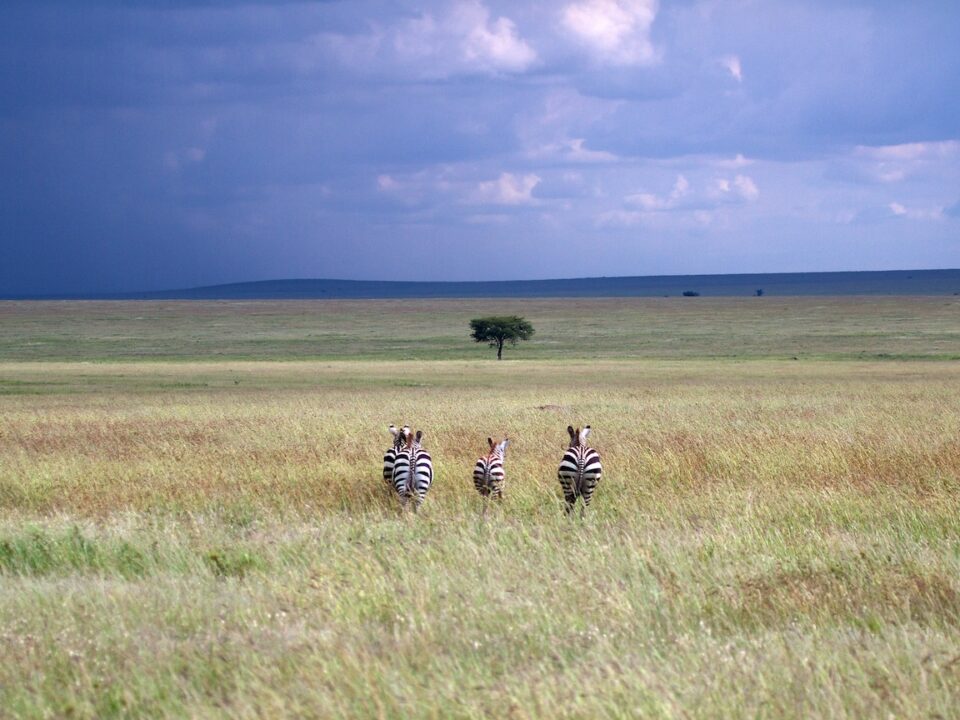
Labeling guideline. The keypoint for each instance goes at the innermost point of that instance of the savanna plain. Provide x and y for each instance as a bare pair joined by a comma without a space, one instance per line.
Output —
193,521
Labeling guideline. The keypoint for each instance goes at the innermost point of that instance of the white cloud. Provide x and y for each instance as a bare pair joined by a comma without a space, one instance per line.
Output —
572,151
901,210
615,31
909,151
386,183
895,163
497,47
746,187
732,64
462,40
508,189
741,187
651,202
737,162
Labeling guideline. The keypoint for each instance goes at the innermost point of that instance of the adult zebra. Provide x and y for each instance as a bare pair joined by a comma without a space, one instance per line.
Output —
488,474
390,457
412,471
580,470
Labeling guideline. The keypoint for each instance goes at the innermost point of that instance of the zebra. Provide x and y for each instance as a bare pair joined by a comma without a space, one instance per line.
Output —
580,470
488,475
389,457
412,470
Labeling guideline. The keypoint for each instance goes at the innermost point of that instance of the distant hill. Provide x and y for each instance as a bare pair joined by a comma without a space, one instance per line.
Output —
892,282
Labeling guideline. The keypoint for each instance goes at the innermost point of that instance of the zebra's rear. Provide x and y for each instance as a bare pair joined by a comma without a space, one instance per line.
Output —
412,472
580,470
488,473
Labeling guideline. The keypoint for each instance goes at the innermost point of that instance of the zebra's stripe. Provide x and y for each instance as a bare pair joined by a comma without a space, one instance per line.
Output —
579,473
412,474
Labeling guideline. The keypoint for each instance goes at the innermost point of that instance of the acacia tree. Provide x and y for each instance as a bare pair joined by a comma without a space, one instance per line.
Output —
498,330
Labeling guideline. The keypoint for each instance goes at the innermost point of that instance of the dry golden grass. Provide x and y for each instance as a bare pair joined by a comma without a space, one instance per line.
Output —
771,538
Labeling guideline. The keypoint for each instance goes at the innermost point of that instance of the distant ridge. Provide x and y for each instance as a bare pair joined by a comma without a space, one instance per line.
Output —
888,282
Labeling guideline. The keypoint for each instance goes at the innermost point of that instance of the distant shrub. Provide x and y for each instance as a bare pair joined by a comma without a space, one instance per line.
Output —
758,292
691,293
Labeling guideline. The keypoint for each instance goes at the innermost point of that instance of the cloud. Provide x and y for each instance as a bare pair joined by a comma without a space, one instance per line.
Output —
508,189
889,164
746,187
732,65
914,213
909,152
497,47
651,202
614,31
741,187
686,201
572,151
462,40
386,183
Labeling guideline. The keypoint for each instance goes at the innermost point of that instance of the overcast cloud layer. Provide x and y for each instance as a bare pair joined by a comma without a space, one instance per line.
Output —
155,145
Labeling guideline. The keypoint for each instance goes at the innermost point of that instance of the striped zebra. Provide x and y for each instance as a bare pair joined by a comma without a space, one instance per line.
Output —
389,457
580,470
412,470
488,475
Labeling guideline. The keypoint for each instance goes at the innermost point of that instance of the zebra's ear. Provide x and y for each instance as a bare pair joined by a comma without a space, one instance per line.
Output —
393,430
584,433
573,435
490,443
503,445
419,435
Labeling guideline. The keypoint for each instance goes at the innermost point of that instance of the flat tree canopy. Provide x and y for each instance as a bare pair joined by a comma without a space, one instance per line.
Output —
497,330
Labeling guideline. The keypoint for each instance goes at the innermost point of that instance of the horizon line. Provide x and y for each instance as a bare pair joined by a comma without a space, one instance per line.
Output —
171,293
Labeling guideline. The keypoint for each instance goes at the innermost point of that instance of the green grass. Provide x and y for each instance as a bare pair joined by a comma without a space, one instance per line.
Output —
668,328
772,538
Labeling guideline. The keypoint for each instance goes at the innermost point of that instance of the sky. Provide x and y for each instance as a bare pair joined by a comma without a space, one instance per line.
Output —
169,144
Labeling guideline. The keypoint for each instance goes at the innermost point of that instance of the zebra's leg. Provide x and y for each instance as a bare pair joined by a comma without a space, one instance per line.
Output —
571,500
587,495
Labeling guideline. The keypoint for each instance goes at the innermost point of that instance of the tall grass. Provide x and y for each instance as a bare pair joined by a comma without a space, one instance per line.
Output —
771,539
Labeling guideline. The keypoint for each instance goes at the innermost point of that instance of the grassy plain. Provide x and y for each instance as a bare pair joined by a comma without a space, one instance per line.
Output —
210,537
668,328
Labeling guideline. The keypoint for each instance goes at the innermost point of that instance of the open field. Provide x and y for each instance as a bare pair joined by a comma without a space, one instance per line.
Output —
772,537
670,328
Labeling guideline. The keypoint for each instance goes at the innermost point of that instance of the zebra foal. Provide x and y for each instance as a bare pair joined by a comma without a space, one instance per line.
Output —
488,473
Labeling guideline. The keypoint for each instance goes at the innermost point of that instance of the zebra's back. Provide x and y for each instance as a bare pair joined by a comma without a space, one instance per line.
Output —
412,475
579,473
488,476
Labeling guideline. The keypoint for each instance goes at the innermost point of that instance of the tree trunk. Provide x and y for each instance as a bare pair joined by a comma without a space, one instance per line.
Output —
500,350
